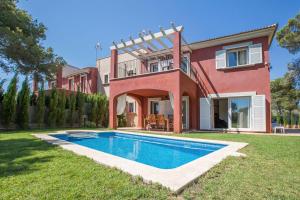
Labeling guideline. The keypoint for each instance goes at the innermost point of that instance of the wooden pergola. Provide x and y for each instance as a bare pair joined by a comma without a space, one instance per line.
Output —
151,44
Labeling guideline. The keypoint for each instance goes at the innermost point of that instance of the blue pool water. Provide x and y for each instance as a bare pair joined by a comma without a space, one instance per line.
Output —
157,152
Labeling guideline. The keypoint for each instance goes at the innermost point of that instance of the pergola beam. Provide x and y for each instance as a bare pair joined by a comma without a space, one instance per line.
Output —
126,51
164,33
158,40
148,37
140,45
149,42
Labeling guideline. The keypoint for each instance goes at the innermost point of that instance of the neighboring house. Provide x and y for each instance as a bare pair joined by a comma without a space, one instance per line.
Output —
73,79
220,83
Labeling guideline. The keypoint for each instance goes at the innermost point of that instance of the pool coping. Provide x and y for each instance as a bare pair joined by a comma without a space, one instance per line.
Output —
175,179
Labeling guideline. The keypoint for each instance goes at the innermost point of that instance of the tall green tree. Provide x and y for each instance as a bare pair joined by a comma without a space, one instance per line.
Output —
61,116
53,108
80,106
9,103
285,95
2,81
289,37
21,39
72,108
40,113
23,101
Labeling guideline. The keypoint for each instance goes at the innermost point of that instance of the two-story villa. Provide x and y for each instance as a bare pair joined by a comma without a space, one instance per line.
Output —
221,83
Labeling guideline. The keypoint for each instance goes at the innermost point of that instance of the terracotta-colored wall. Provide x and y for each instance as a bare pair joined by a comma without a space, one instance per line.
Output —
253,78
91,84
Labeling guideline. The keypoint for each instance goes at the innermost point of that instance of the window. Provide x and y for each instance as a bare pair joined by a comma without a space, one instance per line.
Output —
185,64
106,78
131,107
53,84
237,57
71,84
154,107
154,67
240,112
83,83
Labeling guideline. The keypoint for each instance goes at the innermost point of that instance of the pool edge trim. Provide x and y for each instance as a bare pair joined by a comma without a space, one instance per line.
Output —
175,179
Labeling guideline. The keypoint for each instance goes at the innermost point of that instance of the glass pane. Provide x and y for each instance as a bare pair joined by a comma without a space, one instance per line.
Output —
184,64
240,112
242,57
232,59
153,67
154,107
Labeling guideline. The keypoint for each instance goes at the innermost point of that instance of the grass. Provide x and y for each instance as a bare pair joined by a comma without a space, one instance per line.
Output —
33,169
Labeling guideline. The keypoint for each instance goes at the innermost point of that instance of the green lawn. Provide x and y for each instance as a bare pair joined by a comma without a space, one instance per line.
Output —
33,169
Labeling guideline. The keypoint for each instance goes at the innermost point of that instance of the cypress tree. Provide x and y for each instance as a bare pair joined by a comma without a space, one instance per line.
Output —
72,107
293,120
80,106
9,102
53,108
61,108
41,107
23,102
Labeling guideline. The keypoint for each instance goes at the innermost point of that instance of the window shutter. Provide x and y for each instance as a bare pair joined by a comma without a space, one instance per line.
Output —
259,113
255,53
220,59
205,114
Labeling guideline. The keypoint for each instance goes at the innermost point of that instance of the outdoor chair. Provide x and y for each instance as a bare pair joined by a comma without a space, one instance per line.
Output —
161,122
151,121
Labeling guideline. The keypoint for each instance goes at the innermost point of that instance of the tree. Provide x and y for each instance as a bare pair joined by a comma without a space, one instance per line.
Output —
289,37
72,107
2,81
21,40
53,108
23,101
61,117
40,114
285,96
80,106
9,102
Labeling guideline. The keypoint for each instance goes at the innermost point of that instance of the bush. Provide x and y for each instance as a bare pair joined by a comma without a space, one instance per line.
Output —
278,118
40,115
9,103
72,106
61,108
23,101
293,119
80,106
53,108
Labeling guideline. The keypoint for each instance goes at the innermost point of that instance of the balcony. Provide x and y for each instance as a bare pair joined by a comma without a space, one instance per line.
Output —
150,66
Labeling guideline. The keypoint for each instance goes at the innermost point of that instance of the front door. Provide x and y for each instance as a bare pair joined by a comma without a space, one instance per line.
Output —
185,112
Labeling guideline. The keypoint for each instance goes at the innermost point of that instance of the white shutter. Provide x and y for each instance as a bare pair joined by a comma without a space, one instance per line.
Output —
259,113
205,113
220,59
255,53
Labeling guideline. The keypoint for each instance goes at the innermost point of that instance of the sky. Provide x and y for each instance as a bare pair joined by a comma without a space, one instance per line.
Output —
75,26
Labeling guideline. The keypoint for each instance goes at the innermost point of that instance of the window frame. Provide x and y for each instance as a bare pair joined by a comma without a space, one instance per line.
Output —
104,80
133,107
85,83
73,81
237,50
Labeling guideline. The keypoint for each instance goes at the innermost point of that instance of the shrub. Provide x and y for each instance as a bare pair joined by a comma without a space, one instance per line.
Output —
72,106
285,119
23,101
53,108
40,115
9,103
80,106
61,108
293,120
278,118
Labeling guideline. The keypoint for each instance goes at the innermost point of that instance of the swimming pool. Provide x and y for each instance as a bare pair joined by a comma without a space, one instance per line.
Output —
162,153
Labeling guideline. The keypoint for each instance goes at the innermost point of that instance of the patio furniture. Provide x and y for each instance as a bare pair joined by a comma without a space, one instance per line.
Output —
280,129
161,122
150,122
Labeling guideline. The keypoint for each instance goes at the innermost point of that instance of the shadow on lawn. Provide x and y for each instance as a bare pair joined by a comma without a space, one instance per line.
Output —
21,156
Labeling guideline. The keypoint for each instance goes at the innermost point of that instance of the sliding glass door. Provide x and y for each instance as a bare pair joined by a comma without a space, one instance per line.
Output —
239,112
